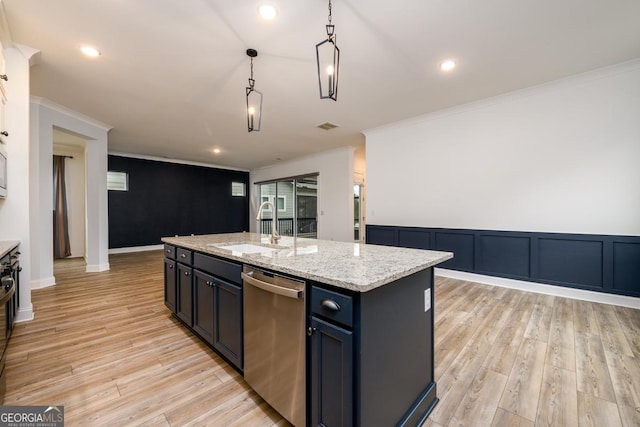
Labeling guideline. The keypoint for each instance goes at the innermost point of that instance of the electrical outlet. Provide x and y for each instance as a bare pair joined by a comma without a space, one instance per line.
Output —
427,299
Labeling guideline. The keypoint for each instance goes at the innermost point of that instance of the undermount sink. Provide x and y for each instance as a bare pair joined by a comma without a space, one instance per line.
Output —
247,248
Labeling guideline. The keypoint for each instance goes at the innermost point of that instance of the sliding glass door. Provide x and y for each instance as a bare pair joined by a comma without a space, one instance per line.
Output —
296,206
307,207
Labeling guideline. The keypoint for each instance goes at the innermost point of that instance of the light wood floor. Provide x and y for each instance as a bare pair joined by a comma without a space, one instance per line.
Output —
104,346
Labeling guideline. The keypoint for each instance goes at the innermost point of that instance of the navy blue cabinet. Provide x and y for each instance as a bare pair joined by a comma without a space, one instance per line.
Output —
217,315
331,375
203,317
205,293
227,325
170,284
184,303
371,354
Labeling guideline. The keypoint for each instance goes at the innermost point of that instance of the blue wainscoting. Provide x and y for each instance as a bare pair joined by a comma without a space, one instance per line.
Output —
602,263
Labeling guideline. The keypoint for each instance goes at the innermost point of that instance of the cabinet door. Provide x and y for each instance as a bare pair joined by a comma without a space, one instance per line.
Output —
170,284
185,294
203,308
331,375
3,108
3,96
228,321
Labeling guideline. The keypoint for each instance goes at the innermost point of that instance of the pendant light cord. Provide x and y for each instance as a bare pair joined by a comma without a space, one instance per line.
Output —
329,12
251,81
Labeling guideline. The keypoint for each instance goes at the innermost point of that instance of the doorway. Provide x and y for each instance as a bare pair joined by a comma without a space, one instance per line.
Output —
358,213
72,147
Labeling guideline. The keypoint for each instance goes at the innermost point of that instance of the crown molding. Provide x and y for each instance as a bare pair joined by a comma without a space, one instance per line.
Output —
576,79
33,55
170,160
69,112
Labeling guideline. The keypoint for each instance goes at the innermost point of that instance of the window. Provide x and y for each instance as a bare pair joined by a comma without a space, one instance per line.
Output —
282,203
296,201
238,189
117,181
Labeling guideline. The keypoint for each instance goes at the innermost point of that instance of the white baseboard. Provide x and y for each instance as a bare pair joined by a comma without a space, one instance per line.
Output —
559,291
97,268
43,283
135,249
24,314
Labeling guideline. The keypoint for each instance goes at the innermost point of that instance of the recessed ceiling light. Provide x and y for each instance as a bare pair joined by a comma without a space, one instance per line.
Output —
267,11
448,65
216,151
90,51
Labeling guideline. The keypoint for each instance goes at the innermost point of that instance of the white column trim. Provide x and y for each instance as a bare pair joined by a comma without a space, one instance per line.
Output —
43,283
24,314
97,268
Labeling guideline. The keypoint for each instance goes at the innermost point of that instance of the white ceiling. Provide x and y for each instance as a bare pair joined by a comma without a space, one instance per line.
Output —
172,74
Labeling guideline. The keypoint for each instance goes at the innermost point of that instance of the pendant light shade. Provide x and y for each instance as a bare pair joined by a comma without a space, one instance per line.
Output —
328,58
254,99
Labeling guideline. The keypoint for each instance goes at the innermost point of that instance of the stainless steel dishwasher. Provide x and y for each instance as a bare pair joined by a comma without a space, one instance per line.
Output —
274,341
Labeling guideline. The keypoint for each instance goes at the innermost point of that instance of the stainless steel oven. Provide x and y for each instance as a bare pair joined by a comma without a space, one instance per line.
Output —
7,291
9,280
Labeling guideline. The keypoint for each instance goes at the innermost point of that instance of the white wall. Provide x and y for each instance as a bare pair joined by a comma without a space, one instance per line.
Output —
560,157
14,210
359,165
335,190
75,189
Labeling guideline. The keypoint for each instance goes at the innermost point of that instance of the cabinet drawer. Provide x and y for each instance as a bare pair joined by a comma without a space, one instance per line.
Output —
184,256
218,267
332,305
170,251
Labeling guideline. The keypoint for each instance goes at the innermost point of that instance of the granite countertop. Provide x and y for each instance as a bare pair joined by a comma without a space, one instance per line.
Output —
355,266
7,245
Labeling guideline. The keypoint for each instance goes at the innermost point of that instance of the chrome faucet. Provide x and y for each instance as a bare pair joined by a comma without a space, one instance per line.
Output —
274,231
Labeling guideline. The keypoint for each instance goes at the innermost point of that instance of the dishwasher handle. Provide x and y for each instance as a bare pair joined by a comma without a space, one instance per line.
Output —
269,287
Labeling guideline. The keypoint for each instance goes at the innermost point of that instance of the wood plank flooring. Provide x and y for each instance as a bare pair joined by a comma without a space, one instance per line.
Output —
540,361
104,346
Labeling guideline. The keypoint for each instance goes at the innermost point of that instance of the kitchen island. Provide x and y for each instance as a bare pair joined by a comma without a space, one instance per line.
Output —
367,354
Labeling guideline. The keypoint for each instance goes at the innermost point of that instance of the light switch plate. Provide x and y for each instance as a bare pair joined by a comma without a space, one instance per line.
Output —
427,299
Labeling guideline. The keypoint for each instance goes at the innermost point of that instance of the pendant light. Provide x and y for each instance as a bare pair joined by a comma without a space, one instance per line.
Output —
254,99
328,57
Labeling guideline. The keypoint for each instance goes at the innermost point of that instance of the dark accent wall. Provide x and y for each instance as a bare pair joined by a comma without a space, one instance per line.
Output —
165,199
601,263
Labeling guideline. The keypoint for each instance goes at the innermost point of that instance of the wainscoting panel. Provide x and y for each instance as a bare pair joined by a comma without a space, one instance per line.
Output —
415,238
626,266
383,236
601,263
570,261
504,255
461,244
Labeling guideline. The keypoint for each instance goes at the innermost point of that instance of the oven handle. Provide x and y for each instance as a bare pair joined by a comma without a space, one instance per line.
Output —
274,289
10,292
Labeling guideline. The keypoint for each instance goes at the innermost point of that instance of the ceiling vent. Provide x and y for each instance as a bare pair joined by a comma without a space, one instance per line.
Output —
327,126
